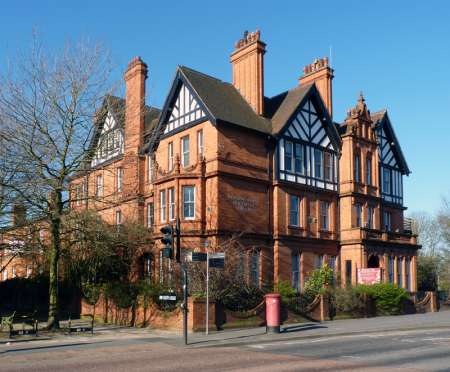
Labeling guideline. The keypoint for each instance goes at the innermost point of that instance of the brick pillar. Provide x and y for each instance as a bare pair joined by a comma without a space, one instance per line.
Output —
386,268
395,270
413,274
282,261
404,272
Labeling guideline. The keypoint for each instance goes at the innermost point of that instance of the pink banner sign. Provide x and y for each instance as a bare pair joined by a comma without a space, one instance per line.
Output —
369,276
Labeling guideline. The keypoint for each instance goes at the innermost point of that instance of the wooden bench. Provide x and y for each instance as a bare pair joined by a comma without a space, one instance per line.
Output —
26,319
82,325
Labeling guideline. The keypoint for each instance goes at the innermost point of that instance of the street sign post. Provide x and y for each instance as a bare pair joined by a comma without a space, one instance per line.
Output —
216,260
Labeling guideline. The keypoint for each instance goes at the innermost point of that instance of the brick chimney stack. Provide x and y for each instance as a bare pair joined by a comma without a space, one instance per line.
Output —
19,214
320,73
247,62
135,77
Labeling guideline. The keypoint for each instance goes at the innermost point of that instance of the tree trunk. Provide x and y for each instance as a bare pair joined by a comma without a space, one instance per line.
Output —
53,303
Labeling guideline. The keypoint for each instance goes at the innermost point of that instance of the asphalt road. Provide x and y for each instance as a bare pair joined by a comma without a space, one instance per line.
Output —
417,350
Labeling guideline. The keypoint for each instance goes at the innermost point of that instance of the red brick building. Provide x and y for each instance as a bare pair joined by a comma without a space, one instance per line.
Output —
297,188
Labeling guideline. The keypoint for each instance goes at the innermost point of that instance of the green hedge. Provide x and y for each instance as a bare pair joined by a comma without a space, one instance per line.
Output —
389,299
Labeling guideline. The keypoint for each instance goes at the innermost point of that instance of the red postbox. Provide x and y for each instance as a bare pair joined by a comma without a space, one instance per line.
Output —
273,319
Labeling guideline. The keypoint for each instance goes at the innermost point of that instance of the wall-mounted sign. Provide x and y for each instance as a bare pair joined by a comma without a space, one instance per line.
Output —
369,276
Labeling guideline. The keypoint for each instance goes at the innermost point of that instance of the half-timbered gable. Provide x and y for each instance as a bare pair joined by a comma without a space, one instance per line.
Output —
185,110
308,142
108,140
392,163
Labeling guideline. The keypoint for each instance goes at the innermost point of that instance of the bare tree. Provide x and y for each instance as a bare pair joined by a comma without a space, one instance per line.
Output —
47,106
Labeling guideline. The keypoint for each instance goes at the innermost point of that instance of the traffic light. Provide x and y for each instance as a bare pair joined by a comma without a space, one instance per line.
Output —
167,240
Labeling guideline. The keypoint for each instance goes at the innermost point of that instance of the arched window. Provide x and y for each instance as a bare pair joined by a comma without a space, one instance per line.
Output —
369,169
357,168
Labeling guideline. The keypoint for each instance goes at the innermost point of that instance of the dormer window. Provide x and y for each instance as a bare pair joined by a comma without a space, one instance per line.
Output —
185,151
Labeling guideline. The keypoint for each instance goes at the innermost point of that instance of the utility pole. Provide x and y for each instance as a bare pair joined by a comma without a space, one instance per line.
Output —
185,305
207,292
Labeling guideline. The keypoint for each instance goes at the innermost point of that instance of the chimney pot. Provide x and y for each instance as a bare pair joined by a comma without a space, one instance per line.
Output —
320,73
247,62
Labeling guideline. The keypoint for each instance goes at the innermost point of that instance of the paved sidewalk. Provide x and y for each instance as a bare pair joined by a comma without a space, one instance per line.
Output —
440,320
237,337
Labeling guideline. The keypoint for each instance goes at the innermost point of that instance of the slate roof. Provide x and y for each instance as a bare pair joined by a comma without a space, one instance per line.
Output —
288,105
382,118
224,101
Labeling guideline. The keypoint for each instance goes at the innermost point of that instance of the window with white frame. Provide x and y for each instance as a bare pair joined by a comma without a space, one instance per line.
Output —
171,204
369,169
399,271
185,151
254,268
318,163
5,274
386,180
162,206
357,168
170,156
150,168
358,208
332,266
288,152
327,166
188,202
99,185
84,191
318,261
299,158
119,177
150,214
118,218
14,272
324,215
370,215
29,271
294,210
296,271
387,221
200,148
391,269
78,196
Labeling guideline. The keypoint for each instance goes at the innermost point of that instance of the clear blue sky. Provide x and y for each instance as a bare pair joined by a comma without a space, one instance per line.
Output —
396,52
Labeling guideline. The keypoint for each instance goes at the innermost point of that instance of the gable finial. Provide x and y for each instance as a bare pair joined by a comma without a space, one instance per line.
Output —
361,97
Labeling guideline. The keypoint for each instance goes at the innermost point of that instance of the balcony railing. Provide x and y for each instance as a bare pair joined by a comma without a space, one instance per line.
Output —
398,237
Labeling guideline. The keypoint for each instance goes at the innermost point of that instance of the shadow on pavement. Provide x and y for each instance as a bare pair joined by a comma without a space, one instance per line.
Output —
59,346
302,327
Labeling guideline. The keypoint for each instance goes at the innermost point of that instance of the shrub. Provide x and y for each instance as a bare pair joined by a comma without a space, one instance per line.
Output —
389,298
241,297
348,300
318,281
285,289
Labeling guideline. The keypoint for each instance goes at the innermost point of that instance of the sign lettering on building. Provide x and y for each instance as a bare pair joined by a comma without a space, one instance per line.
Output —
369,276
242,204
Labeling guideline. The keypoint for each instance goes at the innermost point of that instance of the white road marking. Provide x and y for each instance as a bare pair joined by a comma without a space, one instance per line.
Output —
330,338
